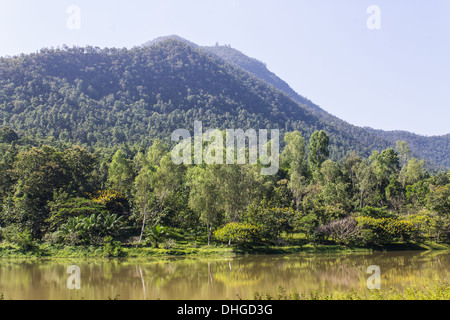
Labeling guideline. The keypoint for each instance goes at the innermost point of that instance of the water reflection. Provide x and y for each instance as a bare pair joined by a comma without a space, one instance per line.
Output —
216,278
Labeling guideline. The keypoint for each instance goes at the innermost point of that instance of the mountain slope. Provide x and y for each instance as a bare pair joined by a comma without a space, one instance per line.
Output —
111,96
434,149
105,97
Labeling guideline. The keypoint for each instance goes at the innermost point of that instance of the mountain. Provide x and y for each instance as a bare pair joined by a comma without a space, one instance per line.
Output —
435,149
105,97
171,37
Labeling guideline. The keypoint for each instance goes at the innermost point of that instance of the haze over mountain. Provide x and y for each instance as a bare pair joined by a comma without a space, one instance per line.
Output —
105,97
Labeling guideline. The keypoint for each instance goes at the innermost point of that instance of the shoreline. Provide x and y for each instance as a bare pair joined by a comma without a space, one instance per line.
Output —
8,250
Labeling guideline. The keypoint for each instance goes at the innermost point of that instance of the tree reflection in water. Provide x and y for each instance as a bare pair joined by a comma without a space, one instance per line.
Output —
217,278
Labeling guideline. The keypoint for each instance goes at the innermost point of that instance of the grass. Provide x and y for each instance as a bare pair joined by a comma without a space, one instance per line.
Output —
185,248
90,251
435,291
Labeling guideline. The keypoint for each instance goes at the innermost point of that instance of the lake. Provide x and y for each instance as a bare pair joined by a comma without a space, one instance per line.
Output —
214,278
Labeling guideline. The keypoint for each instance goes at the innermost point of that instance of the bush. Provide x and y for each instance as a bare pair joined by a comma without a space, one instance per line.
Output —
239,233
112,248
169,244
24,239
156,234
386,230
8,233
307,224
431,224
342,231
272,222
16,234
89,230
53,237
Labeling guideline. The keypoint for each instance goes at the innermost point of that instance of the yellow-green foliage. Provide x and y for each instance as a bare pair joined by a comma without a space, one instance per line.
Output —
431,224
114,201
422,218
387,229
105,196
239,233
435,291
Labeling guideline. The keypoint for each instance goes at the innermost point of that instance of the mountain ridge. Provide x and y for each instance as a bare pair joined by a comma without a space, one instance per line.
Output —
259,69
109,96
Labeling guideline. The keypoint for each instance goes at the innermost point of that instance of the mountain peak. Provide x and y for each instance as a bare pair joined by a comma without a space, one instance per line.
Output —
169,37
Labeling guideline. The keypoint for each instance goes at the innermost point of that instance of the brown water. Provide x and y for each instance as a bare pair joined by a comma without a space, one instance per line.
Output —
210,279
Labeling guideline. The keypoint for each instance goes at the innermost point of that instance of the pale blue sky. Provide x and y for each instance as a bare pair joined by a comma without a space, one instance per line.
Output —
397,77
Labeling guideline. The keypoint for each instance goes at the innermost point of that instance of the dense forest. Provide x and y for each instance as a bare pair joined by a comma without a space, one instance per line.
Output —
102,98
138,196
85,158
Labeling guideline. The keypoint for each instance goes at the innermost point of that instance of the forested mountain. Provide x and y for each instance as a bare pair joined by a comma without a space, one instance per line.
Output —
105,97
434,149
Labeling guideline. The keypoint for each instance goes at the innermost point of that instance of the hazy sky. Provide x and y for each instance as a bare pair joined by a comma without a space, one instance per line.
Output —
393,78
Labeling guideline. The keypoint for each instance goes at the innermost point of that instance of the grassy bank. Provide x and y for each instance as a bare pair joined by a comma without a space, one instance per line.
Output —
435,291
62,251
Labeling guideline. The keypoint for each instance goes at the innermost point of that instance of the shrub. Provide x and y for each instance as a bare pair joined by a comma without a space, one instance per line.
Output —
307,224
16,234
24,239
239,233
272,222
52,237
387,230
169,244
8,233
156,234
431,224
112,248
90,229
342,231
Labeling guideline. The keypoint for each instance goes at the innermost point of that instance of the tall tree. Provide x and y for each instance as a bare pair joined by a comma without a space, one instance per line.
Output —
155,186
204,195
318,150
234,181
120,173
294,159
155,153
366,184
403,151
413,171
294,152
333,185
38,172
385,165
143,194
81,165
